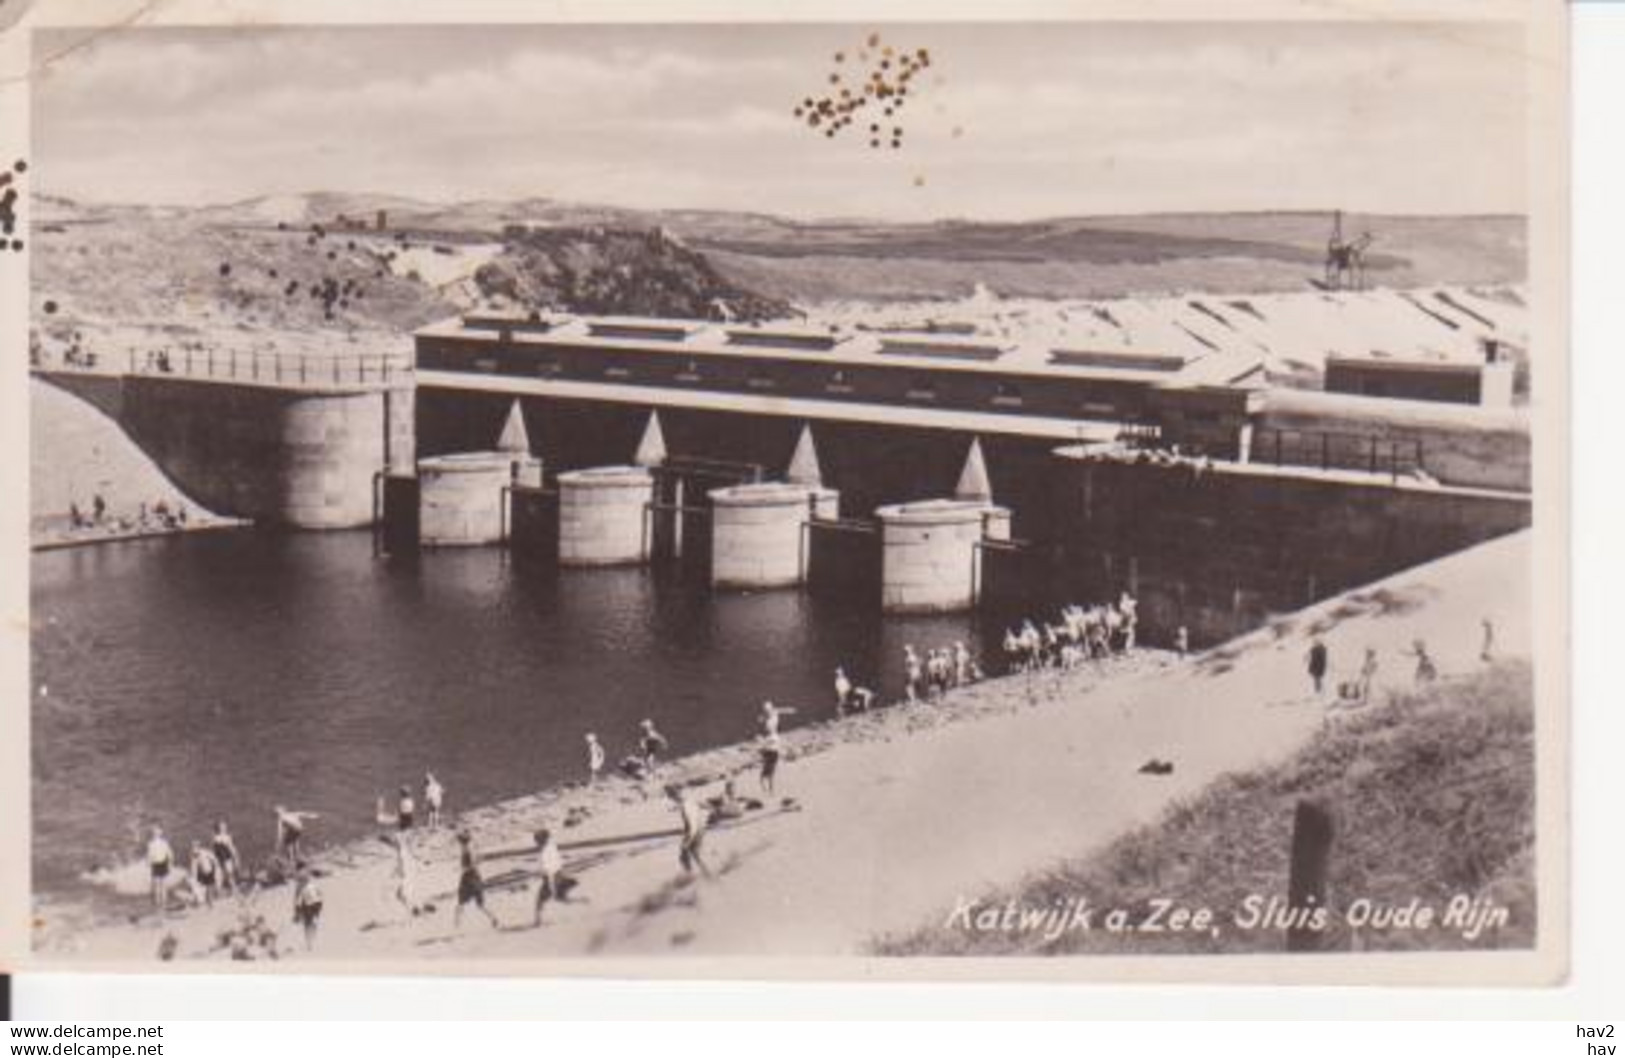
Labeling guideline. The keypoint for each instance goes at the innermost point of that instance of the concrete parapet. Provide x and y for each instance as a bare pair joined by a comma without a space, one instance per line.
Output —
758,532
603,516
929,560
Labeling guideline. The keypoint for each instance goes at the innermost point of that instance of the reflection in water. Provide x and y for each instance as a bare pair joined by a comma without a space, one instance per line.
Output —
188,679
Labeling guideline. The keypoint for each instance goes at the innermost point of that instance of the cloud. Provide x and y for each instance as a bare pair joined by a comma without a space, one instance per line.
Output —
1154,117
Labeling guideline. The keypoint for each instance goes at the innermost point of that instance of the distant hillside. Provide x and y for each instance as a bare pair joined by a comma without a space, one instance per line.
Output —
806,261
615,271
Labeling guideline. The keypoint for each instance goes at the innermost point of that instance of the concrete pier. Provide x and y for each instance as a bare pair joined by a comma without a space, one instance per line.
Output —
603,516
929,553
758,532
463,498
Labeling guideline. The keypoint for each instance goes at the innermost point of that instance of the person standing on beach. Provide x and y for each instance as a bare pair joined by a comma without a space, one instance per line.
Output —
205,872
160,858
434,797
225,854
688,852
650,745
307,905
1486,651
772,750
770,717
595,758
1129,606
911,673
290,833
406,809
843,691
1426,671
1368,673
1317,663
1182,644
549,865
470,885
405,873
962,675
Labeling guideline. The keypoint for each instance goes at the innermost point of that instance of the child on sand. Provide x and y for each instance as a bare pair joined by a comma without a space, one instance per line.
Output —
470,885
290,832
771,751
688,852
550,863
650,745
406,809
595,758
307,905
205,872
405,873
225,854
160,858
434,797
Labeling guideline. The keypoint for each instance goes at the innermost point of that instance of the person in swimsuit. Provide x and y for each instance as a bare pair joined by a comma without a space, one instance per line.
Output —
771,752
405,873
434,797
549,866
843,691
307,905
225,854
406,809
650,745
1182,641
770,717
688,852
470,885
911,674
290,833
595,758
205,871
160,858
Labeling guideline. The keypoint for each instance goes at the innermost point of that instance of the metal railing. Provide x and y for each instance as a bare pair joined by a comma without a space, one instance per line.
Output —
246,366
1335,450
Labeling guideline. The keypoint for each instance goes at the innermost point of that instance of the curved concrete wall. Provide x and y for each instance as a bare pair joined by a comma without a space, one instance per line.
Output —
928,553
603,516
301,458
758,539
462,499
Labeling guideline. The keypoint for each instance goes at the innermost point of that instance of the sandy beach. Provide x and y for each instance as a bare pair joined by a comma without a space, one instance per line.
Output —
998,780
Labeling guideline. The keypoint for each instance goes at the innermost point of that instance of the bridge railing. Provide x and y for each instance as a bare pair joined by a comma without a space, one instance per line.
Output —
242,365
1335,450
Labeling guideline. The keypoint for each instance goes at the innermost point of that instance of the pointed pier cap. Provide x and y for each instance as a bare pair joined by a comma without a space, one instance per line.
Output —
514,439
804,468
652,448
973,484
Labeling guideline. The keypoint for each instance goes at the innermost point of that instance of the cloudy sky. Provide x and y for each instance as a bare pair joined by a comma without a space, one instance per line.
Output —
1011,121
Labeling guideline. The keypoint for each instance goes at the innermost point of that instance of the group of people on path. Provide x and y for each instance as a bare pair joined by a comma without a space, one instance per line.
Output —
1357,691
928,678
406,805
212,868
641,763
161,514
1082,634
